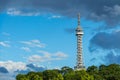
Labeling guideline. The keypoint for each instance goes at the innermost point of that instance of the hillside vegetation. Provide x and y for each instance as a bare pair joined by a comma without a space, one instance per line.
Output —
103,72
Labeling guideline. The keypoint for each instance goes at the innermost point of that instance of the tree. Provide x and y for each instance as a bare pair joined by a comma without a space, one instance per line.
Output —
69,76
102,67
93,70
110,72
78,75
66,69
83,75
35,76
52,75
21,77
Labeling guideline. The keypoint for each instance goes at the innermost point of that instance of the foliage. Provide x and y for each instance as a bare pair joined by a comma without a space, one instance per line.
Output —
103,72
52,75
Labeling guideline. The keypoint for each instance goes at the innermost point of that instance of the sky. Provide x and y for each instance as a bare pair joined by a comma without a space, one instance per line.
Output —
42,32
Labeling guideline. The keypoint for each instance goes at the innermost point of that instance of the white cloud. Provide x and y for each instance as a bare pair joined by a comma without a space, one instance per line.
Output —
4,43
26,49
46,56
117,30
61,54
33,43
115,10
98,17
13,66
35,58
54,17
14,11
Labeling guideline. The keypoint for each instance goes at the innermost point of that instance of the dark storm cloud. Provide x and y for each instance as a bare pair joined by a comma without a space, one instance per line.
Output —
98,10
105,41
112,58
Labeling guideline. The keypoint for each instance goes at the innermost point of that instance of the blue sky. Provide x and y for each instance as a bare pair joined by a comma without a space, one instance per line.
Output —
48,32
43,33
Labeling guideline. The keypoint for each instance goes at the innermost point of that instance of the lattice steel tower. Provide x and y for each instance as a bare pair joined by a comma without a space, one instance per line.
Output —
79,34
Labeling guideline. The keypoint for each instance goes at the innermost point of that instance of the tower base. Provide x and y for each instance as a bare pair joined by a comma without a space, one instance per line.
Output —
77,68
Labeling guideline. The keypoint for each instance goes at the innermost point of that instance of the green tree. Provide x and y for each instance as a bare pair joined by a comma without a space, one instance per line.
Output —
66,69
52,75
35,76
31,75
93,70
83,75
110,72
78,75
102,67
69,76
113,72
21,77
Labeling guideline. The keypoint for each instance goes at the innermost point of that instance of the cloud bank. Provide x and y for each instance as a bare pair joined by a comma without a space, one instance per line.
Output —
4,44
46,56
102,10
106,40
32,43
9,69
109,43
111,57
13,66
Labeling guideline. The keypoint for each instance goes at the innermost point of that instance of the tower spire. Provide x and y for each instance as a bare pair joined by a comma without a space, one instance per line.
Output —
78,19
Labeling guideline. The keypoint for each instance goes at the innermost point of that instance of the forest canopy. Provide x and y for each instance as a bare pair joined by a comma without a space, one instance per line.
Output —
103,72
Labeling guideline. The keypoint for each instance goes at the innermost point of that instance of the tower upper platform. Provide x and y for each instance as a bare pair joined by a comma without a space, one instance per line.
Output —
79,28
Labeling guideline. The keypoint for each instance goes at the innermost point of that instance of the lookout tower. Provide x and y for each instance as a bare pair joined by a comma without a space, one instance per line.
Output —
79,34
